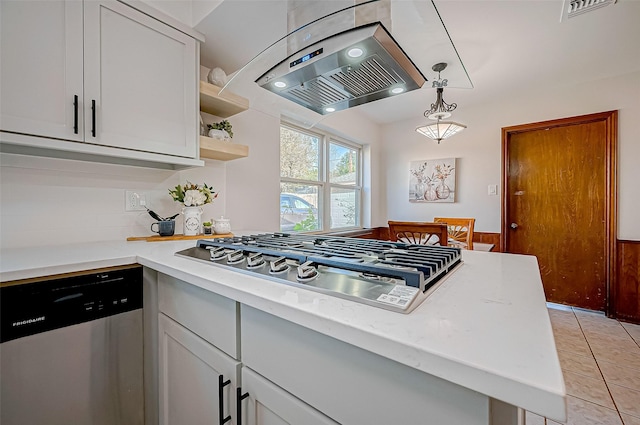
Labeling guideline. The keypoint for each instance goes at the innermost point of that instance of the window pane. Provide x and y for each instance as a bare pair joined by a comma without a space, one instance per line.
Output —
299,207
343,165
299,155
344,208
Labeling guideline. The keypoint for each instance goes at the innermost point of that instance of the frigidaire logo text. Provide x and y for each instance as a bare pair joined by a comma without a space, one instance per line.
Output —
29,321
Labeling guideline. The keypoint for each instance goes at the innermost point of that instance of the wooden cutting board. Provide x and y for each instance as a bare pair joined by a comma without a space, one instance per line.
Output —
158,238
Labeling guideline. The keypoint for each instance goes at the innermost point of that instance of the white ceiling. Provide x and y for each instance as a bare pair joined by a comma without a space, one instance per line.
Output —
507,46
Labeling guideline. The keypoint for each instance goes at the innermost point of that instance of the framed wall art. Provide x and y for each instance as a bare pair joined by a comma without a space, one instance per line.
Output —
432,180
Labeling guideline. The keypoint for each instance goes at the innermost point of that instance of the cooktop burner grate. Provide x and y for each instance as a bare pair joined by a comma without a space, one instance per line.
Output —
391,275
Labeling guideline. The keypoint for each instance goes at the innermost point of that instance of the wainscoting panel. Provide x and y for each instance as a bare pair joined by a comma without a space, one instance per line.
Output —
485,237
626,292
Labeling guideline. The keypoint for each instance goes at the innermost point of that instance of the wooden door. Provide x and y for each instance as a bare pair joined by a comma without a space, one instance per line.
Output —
41,68
142,76
559,203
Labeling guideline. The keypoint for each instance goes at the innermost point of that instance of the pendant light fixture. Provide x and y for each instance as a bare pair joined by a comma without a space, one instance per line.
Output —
439,111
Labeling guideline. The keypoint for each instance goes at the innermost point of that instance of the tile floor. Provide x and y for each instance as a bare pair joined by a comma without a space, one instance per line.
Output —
600,359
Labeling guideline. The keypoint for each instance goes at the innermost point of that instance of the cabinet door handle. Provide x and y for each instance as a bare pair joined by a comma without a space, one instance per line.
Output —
239,398
75,114
221,384
93,117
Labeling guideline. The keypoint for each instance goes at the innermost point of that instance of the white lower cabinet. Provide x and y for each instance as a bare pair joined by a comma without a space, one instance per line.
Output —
351,385
219,359
199,376
197,381
268,404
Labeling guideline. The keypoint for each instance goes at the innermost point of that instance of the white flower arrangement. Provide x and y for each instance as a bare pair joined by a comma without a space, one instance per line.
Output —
193,195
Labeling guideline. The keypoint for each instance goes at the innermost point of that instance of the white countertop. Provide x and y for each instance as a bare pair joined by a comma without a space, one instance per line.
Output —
486,327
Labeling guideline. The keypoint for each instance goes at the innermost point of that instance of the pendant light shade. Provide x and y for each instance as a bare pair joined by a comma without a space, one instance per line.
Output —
440,130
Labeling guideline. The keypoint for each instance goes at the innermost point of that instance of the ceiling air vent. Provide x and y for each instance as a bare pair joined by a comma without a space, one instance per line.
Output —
572,8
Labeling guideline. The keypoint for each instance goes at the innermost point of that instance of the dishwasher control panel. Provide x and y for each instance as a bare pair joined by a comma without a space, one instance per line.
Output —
41,305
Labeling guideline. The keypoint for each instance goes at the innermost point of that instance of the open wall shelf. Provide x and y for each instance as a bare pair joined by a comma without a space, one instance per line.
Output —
222,151
221,106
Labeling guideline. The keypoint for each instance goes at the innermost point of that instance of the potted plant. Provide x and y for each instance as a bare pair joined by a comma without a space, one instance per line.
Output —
207,228
221,130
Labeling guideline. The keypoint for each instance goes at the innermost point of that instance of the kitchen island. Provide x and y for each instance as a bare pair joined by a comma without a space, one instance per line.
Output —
485,329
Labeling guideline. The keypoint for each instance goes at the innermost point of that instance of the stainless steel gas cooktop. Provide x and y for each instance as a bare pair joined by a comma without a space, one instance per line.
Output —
390,275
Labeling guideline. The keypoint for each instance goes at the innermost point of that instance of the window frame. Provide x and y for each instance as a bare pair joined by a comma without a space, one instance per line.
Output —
324,184
357,187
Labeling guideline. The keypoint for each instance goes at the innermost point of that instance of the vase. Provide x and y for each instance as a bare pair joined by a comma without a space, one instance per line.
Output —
443,191
430,194
217,77
219,135
192,220
420,188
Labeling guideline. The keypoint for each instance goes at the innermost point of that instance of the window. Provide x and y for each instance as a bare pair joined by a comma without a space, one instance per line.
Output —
320,181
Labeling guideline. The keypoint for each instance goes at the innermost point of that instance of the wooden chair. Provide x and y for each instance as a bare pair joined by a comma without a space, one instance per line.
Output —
418,233
460,231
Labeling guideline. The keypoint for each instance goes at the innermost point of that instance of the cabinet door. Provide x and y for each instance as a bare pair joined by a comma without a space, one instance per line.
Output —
189,377
268,404
348,383
140,82
41,68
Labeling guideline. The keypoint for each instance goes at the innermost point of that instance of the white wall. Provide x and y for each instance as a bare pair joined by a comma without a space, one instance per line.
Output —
182,10
189,12
478,149
46,201
201,8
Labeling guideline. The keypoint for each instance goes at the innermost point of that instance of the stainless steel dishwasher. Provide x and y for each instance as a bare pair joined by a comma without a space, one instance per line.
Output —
72,349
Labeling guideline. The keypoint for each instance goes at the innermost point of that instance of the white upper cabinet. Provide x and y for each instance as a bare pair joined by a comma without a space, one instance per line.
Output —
141,74
134,78
41,68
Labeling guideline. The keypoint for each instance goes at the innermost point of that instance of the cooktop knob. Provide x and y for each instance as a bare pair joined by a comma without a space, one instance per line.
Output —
217,253
307,271
255,260
279,265
235,257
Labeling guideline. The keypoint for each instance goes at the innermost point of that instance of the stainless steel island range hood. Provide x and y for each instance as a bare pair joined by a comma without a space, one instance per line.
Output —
344,53
353,67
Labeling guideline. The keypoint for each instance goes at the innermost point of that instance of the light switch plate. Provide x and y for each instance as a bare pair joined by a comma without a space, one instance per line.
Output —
493,189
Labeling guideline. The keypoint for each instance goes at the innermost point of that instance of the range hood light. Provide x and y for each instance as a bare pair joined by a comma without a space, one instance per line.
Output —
280,84
355,52
330,109
397,90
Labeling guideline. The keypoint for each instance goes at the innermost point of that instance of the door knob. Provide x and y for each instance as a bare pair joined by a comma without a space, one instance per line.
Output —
514,226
